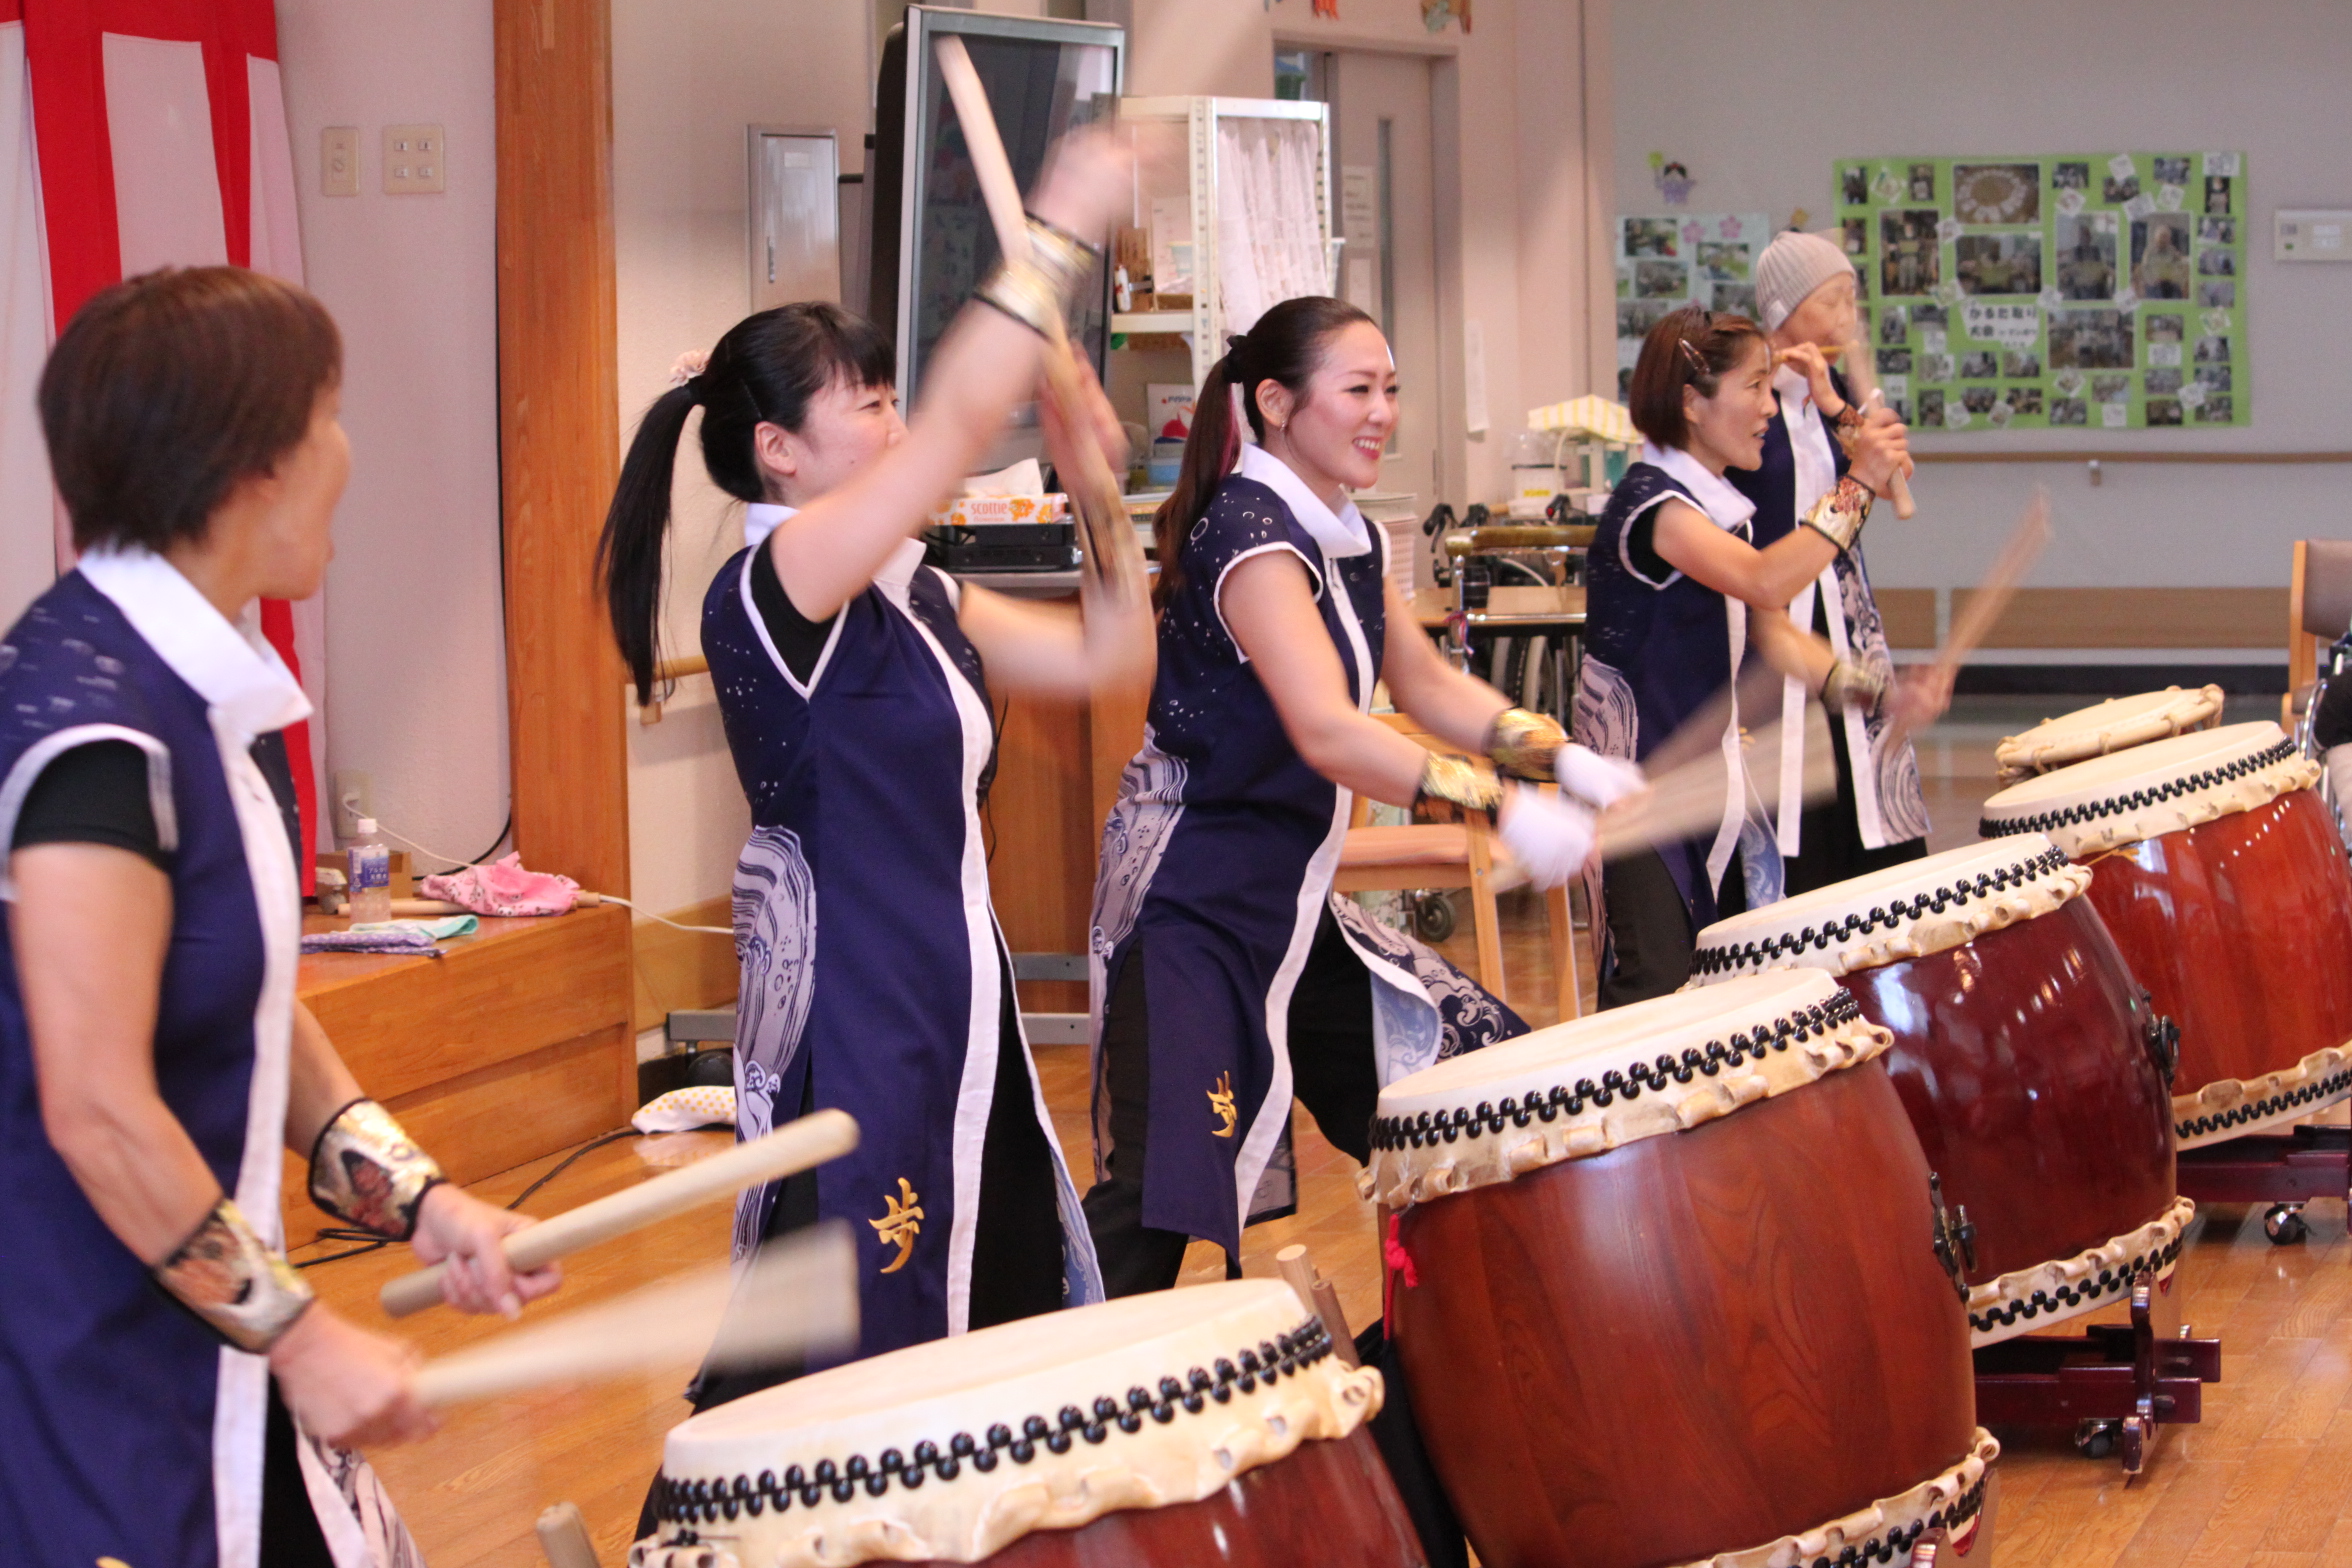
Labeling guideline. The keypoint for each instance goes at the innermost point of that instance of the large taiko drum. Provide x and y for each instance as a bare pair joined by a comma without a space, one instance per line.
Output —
2033,1069
1214,1424
1674,1288
2115,725
2224,882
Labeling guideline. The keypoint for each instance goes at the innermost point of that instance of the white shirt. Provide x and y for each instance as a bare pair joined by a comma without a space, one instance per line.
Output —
231,665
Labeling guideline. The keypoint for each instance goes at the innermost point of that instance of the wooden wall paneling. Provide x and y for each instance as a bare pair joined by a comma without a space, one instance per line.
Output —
1042,842
402,1023
2138,618
1908,614
559,434
515,1043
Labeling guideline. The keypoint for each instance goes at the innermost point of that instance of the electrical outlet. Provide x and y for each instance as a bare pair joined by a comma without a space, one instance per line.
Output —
354,798
415,160
339,160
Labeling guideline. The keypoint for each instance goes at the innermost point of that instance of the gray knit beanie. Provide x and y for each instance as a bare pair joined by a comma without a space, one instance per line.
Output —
1792,267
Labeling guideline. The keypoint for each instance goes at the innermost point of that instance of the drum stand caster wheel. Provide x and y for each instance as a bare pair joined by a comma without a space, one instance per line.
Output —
1433,917
2283,1223
2095,1439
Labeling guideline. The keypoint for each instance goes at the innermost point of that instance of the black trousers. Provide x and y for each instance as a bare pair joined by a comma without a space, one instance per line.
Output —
1829,836
1332,1074
1650,932
290,1534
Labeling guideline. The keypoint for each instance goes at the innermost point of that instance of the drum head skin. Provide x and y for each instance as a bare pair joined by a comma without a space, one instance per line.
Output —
2149,791
1582,1088
955,1449
1907,911
2115,725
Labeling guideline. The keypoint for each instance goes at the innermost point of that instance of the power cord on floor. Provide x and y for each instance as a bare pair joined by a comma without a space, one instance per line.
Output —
371,1242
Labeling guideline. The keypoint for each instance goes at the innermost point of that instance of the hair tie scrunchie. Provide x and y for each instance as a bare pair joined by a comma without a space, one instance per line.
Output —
1237,356
689,367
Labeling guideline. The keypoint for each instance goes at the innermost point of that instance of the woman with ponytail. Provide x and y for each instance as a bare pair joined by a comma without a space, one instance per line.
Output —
1676,595
853,682
1231,976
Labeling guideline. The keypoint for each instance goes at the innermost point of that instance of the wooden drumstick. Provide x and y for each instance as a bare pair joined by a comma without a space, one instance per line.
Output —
1113,560
812,1140
1316,1294
1992,596
799,1294
563,1536
1862,376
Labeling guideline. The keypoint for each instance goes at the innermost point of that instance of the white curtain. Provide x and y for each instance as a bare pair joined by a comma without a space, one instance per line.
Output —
1269,225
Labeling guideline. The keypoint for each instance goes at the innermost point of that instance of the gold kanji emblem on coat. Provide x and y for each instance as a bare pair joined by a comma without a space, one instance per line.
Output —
901,1225
1221,1105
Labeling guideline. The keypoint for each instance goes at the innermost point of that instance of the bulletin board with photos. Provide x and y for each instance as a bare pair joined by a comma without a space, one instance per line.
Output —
1669,260
2098,290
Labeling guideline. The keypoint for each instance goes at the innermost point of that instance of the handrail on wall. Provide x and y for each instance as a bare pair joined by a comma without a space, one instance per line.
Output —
663,673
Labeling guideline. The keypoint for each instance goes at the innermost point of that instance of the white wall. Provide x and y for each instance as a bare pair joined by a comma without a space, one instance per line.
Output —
1759,101
416,649
688,77
1510,108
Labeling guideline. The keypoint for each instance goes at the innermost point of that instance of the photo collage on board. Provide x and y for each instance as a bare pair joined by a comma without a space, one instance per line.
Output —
2101,290
1682,258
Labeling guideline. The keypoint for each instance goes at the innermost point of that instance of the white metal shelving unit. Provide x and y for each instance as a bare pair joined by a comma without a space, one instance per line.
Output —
1204,323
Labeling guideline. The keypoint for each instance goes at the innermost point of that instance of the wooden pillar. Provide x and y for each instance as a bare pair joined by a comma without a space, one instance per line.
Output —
559,435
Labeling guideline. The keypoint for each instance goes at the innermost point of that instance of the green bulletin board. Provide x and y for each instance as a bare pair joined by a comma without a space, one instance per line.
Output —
2080,290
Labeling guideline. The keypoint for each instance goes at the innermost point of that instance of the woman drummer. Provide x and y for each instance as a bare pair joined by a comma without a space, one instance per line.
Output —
1805,290
1675,595
1233,976
174,1393
853,682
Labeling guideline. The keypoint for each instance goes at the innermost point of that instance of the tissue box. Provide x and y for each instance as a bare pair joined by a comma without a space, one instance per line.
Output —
986,511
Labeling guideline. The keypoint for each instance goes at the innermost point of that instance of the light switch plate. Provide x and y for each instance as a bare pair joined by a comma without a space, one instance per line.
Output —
414,160
339,160
2306,234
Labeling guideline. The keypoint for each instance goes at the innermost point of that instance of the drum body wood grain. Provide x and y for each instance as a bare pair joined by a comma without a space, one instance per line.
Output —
1328,1503
2239,928
1691,1344
2023,1061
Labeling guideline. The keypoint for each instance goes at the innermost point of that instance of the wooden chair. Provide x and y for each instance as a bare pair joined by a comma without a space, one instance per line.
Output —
1454,855
2319,609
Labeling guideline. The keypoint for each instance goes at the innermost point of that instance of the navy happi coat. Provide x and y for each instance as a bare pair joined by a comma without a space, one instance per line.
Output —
1221,852
128,1429
872,963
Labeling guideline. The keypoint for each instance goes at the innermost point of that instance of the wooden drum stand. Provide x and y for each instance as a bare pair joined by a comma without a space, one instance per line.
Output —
2118,1383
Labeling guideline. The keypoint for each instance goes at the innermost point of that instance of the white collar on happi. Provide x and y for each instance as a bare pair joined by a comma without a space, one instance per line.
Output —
230,664
1725,507
1341,534
762,518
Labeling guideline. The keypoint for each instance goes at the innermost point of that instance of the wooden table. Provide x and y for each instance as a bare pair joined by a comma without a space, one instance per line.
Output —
514,1044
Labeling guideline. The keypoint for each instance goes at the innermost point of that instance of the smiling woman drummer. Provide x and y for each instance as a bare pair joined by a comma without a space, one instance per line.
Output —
1676,595
1234,979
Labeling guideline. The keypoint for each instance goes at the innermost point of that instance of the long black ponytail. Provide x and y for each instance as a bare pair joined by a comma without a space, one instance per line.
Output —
764,371
1285,347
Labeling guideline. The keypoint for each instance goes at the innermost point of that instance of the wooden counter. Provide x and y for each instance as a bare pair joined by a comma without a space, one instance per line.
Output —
514,1044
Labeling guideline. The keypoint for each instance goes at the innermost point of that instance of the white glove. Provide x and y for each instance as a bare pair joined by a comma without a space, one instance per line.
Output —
1588,775
1549,836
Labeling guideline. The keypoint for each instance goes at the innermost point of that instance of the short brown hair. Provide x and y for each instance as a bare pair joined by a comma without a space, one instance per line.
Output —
167,389
1690,347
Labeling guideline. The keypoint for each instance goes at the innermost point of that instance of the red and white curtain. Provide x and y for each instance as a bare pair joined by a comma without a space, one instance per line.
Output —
135,134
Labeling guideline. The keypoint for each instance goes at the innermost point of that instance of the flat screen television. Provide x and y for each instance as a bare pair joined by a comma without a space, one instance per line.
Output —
932,243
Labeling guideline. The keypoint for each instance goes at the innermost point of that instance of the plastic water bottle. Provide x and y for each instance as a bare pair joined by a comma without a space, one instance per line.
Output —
369,863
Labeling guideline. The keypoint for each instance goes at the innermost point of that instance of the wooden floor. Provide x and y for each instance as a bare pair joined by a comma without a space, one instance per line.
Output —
2261,1483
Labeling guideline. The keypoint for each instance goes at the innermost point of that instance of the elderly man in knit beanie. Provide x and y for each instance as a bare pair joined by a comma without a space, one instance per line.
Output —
1806,292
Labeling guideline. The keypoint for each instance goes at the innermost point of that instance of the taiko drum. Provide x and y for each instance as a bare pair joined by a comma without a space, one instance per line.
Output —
1671,1282
2031,1065
2224,882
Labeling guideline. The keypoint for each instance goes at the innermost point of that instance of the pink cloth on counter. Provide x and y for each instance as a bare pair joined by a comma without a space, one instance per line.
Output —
504,888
